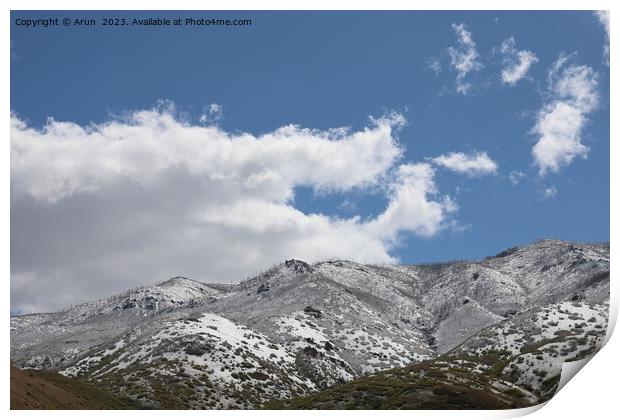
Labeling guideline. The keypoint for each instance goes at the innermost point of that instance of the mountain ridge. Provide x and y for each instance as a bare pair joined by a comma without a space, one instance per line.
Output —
317,325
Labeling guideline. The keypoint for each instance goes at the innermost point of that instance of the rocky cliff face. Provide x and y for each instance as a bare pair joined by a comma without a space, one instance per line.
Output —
298,328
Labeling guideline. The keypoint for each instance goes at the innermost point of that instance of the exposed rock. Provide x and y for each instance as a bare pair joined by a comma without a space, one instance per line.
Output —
298,266
313,312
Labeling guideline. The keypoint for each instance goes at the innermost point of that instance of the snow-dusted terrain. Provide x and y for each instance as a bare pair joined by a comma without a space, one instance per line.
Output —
299,328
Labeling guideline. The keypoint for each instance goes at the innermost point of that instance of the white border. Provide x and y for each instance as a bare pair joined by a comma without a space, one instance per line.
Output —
592,395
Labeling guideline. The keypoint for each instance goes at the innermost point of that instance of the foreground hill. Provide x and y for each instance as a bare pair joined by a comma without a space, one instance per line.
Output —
297,329
31,390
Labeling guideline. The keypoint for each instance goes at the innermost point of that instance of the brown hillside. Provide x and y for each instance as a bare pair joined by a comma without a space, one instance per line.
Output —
43,390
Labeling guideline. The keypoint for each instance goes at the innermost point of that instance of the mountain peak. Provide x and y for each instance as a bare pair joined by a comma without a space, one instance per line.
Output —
179,280
298,266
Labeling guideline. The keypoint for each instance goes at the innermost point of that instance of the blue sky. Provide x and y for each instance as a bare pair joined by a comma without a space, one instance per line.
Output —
328,70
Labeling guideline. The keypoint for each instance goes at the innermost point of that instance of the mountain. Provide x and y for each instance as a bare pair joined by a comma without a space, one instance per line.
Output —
51,340
300,333
515,363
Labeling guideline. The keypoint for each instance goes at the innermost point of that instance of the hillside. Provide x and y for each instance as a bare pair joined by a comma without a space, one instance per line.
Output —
32,390
516,363
308,333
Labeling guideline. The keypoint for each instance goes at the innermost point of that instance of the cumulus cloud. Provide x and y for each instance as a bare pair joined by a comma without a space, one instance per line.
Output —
464,57
603,19
474,164
410,208
559,124
64,158
516,63
101,208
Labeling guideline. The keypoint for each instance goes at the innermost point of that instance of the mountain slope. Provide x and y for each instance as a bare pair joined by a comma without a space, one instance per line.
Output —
49,341
297,329
515,363
31,389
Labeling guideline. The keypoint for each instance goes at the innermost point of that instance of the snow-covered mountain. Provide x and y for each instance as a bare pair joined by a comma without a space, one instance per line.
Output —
299,328
52,340
514,363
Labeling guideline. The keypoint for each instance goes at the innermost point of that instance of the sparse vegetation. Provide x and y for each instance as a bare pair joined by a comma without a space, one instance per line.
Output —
344,335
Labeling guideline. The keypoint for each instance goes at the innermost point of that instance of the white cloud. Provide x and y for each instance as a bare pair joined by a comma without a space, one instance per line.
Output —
560,122
435,65
464,58
474,164
550,192
64,158
348,205
212,114
516,63
410,208
515,177
603,18
106,207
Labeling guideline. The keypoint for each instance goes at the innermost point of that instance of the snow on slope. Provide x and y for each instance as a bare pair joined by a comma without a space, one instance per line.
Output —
295,303
231,360
515,363
299,327
533,345
56,339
